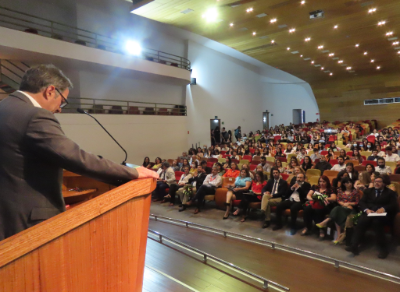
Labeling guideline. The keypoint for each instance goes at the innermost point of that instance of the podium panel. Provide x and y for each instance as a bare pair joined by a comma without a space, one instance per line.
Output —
99,245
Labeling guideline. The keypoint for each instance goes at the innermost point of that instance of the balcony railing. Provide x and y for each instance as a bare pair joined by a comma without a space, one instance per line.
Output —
32,24
120,107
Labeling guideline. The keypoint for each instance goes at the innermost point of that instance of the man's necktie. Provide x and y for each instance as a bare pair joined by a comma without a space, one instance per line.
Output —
378,193
274,188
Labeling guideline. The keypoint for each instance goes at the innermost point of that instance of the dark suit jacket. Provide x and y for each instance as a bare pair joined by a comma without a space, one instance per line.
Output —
199,179
303,191
387,200
322,166
282,188
33,153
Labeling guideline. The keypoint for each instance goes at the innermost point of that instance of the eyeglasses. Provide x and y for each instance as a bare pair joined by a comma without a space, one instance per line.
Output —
64,100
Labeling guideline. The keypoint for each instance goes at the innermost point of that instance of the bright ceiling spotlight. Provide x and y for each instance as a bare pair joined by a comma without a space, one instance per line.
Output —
211,15
133,48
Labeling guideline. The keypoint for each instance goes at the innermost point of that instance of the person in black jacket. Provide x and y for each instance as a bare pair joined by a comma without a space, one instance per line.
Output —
322,165
376,200
293,200
273,192
199,178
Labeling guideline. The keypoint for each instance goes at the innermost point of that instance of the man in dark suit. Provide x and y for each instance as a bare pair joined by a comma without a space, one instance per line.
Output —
293,200
273,192
376,200
34,151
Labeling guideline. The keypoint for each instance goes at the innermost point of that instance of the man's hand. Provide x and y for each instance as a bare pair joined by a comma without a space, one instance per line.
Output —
295,186
236,189
144,173
380,210
181,184
369,211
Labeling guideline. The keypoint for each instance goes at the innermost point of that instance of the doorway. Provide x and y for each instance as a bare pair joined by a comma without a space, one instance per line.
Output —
266,120
214,124
297,116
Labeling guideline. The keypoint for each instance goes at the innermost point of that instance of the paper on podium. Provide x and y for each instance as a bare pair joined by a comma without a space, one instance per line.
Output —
376,214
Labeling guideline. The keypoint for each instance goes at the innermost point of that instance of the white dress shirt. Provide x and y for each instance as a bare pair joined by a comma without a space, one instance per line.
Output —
35,103
338,167
393,157
213,180
386,169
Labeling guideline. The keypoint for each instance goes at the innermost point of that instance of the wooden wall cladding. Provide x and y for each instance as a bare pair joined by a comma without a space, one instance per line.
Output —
343,99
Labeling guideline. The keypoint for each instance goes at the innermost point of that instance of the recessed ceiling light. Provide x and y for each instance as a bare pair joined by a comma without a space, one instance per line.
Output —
379,67
357,45
312,62
292,30
322,68
372,60
389,33
249,9
340,61
254,33
273,20
320,47
301,56
365,53
383,22
348,68
307,39
335,27
398,52
288,48
272,41
303,2
231,24
211,15
395,43
331,54
372,10
330,74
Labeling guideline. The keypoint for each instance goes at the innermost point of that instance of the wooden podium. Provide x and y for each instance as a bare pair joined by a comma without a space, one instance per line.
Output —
99,245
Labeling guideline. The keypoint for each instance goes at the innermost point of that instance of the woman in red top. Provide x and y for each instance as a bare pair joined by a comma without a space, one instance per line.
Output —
256,188
233,171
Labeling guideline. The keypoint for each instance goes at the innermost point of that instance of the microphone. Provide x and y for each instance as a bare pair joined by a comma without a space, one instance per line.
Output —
82,111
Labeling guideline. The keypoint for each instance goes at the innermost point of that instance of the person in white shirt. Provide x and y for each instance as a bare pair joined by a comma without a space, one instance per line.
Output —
177,188
382,168
375,133
209,186
302,154
380,152
340,166
166,178
266,166
391,156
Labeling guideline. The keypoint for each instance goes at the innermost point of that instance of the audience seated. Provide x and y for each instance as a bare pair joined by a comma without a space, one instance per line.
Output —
378,199
196,181
210,184
166,178
347,199
273,192
382,168
250,189
236,191
315,209
146,162
322,165
340,166
293,200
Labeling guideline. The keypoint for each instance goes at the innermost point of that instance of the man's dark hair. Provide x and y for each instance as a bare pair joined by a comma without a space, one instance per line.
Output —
385,178
203,162
165,164
380,158
40,77
340,157
274,168
388,148
263,158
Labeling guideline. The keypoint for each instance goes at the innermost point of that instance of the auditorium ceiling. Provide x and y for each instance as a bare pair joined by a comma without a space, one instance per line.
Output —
352,37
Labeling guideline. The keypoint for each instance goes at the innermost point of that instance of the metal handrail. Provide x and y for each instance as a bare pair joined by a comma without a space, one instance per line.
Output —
56,29
275,245
266,282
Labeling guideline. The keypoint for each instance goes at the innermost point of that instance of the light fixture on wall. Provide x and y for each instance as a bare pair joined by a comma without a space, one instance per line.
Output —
133,48
193,81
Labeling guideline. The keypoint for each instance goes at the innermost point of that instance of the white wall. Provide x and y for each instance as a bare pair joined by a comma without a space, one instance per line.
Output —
140,135
281,98
227,88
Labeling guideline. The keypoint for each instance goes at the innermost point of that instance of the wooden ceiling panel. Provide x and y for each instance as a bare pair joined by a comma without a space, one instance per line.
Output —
355,25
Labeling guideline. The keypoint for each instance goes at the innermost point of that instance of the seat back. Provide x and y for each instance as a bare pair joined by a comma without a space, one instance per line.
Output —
333,162
313,180
133,110
221,160
271,159
212,160
244,161
178,175
247,157
359,168
256,158
210,164
374,163
253,167
366,153
228,181
394,177
324,152
392,165
284,176
331,173
355,162
313,172
291,155
283,159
